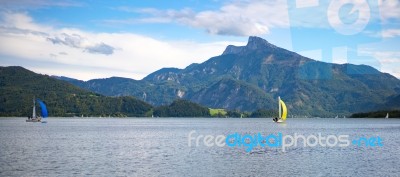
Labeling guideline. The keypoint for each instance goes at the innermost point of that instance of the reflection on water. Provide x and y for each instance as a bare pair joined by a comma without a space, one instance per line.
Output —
159,147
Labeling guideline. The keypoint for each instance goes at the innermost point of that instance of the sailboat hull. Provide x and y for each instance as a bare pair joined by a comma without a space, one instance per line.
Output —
278,121
33,120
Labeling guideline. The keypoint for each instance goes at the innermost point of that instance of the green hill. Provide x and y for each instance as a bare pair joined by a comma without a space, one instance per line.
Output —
182,108
19,86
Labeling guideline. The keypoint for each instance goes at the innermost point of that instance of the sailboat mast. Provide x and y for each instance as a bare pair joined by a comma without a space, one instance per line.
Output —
279,103
34,109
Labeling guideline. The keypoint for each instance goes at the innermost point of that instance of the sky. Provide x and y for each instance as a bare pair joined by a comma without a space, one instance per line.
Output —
87,39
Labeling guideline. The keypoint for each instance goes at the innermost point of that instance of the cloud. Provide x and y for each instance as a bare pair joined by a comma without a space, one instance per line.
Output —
101,48
389,33
73,40
258,17
35,4
74,53
22,24
389,60
80,42
389,9
238,18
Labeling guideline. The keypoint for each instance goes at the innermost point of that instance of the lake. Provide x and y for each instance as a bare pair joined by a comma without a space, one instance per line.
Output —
160,147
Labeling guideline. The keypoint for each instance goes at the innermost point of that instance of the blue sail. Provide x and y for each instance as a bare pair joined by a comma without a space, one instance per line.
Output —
43,108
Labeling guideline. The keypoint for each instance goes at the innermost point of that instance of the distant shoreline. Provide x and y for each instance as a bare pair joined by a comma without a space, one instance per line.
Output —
199,118
378,114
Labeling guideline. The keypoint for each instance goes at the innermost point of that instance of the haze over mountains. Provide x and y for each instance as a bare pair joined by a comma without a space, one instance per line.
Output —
251,77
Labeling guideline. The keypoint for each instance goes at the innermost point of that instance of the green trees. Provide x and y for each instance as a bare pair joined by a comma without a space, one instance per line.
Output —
262,113
182,108
377,114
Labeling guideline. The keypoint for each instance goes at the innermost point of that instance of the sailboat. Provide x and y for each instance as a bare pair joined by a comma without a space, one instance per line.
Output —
387,116
282,112
44,112
337,116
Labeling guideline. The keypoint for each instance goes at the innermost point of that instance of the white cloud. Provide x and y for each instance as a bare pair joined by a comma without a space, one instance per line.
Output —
76,52
258,17
389,33
389,60
389,9
80,42
239,18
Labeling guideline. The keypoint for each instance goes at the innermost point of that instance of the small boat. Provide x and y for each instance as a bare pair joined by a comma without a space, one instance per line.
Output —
337,116
282,112
387,116
44,113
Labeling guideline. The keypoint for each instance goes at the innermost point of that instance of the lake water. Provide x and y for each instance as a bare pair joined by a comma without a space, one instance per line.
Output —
159,147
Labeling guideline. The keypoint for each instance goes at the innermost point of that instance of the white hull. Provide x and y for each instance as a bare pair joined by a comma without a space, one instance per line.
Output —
34,120
279,121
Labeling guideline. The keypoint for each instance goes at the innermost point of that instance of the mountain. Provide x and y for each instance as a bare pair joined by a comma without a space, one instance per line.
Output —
154,93
224,94
251,77
392,103
19,86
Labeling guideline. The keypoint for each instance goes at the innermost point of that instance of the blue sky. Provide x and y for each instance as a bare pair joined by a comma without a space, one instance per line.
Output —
98,39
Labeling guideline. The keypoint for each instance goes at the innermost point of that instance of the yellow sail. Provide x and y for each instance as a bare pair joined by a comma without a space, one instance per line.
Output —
284,109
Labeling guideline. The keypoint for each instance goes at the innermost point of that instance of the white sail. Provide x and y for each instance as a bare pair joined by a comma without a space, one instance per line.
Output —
34,117
387,116
279,103
34,109
282,111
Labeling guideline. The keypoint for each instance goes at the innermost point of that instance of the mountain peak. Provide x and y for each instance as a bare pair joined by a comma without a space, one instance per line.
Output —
254,43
